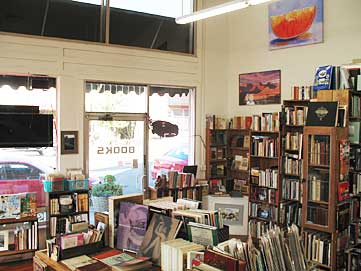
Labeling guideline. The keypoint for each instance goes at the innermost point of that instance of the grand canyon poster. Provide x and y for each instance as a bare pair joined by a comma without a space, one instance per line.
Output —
260,88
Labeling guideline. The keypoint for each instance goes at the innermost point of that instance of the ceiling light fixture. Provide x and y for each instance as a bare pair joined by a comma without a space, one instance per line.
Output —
217,10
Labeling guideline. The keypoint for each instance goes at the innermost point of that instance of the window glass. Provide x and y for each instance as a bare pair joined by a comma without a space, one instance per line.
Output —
170,153
150,24
174,8
22,16
107,97
74,20
20,168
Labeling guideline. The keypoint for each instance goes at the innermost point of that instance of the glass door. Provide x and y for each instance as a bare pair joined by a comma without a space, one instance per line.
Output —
116,148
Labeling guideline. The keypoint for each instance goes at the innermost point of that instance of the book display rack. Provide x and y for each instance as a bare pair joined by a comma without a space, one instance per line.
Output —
294,114
325,210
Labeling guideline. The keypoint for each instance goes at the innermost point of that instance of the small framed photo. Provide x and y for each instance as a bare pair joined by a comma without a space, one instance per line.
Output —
4,240
69,142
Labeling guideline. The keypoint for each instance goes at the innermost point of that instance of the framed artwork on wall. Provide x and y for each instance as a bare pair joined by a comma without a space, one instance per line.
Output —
294,23
69,142
260,88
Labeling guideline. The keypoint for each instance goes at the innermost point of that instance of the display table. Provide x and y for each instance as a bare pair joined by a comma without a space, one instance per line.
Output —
58,266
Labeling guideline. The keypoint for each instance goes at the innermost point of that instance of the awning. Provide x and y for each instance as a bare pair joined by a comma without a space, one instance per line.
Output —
161,91
29,82
113,88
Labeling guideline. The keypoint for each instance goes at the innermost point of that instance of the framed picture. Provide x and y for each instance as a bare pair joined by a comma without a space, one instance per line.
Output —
260,88
69,142
233,210
294,23
4,240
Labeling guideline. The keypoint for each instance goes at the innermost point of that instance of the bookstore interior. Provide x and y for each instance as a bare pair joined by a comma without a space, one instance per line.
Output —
202,165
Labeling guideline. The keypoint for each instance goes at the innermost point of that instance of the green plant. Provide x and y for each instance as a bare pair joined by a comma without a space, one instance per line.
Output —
107,188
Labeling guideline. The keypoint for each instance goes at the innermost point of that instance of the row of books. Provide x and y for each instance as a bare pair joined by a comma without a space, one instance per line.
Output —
319,150
263,194
290,213
294,141
296,115
356,183
242,122
179,180
258,228
186,193
355,212
68,224
26,237
240,141
218,138
218,153
291,189
18,205
174,253
266,122
267,177
303,92
317,214
82,238
317,247
206,217
355,106
218,170
262,211
79,203
292,164
318,188
240,162
282,250
264,146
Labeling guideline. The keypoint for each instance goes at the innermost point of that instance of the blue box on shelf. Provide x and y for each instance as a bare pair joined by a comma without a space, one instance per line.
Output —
77,184
54,186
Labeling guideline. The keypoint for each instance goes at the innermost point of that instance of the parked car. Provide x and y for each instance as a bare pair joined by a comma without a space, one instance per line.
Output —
174,159
18,175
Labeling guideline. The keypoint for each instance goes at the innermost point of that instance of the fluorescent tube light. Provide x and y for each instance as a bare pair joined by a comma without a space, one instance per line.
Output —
217,10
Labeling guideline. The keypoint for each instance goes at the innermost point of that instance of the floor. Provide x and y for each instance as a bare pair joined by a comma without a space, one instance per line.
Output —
17,266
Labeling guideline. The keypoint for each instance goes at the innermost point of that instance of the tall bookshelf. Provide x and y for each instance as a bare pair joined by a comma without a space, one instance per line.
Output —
264,183
238,173
325,210
216,157
294,114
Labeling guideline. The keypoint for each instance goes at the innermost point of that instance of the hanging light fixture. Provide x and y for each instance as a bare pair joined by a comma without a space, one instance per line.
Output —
217,10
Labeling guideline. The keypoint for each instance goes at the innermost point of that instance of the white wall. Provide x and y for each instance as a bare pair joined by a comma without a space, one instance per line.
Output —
248,50
74,62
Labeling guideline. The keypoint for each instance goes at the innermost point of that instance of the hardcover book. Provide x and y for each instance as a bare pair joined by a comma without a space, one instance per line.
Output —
322,114
221,261
132,226
161,228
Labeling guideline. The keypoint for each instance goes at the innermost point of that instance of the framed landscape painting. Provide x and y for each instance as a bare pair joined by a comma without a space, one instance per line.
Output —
260,88
295,23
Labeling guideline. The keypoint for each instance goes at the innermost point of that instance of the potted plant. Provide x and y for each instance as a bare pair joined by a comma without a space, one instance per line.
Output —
101,191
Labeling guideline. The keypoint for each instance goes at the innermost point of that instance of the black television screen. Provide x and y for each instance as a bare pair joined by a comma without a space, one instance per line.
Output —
26,130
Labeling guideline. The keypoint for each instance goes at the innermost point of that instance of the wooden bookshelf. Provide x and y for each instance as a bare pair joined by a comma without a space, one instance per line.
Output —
15,253
322,211
294,114
264,196
60,214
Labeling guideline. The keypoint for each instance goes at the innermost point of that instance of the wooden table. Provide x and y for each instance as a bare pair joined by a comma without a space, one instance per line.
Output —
58,266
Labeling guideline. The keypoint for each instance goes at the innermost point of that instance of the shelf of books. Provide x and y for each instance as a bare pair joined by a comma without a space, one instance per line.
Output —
238,160
326,208
294,116
19,227
264,182
216,157
68,212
